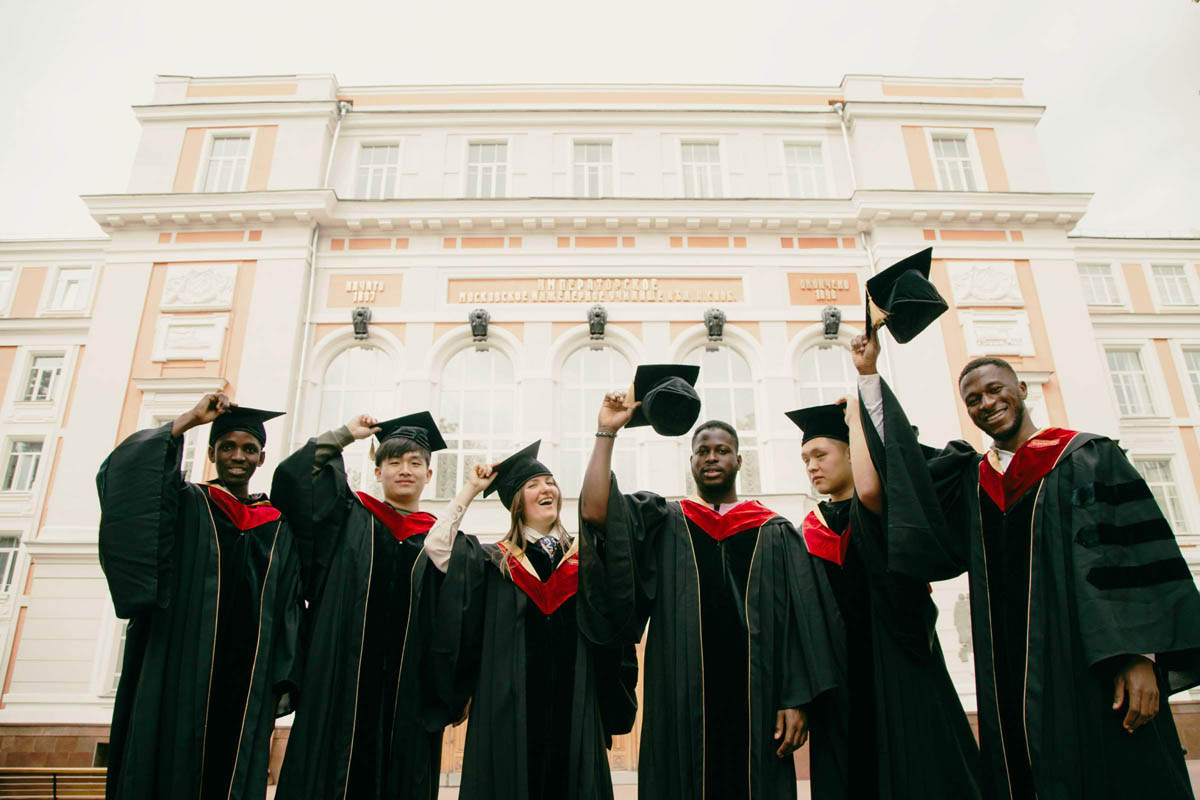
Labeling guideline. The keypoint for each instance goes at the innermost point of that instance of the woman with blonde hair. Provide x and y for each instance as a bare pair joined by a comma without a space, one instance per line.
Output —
544,702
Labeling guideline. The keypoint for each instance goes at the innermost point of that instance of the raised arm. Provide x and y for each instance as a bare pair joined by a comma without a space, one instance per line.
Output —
867,485
139,486
439,542
597,480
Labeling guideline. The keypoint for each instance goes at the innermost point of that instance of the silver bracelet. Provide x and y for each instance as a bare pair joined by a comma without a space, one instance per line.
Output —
606,435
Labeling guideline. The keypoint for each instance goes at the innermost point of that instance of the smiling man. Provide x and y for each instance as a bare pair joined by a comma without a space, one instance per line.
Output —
1085,616
208,576
736,647
360,733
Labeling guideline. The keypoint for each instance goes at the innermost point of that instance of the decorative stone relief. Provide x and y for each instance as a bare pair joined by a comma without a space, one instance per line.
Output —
199,287
985,283
191,337
997,334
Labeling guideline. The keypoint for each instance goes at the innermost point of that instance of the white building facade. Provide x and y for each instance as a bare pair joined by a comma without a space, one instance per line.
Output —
265,215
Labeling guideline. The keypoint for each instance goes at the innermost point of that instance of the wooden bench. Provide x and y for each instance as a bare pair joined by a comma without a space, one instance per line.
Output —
48,783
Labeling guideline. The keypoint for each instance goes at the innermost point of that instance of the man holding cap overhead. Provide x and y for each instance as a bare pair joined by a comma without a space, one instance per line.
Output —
362,732
209,578
895,728
1084,615
736,644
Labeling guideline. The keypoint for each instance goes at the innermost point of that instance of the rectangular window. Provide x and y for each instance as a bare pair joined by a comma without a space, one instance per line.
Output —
228,160
1099,286
71,289
8,560
805,170
7,274
43,379
701,169
378,166
1158,476
21,469
1129,383
1172,285
487,170
1191,362
955,173
593,169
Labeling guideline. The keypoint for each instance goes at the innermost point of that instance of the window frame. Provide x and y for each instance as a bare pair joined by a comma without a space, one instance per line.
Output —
29,358
1122,297
968,135
1189,280
46,305
9,443
7,582
358,165
634,438
210,137
1173,462
722,166
6,299
784,144
612,165
493,435
508,171
1154,389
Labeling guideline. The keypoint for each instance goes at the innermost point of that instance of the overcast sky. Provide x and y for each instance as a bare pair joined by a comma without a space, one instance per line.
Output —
1119,78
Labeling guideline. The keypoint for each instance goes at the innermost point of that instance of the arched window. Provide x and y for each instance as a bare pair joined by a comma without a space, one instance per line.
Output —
825,373
587,375
477,413
359,380
727,393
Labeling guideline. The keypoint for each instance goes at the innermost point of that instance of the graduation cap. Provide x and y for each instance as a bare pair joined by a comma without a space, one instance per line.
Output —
817,422
419,427
903,298
242,418
670,404
514,471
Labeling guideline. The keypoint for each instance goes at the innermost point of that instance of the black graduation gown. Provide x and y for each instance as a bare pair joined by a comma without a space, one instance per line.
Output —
211,589
1073,570
368,731
544,702
738,630
897,729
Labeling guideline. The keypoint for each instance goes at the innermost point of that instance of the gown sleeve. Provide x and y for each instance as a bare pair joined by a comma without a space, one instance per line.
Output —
311,489
618,567
456,648
140,487
928,510
287,668
814,651
1133,589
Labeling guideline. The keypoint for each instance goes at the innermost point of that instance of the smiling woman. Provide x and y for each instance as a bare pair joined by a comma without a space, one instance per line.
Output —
508,631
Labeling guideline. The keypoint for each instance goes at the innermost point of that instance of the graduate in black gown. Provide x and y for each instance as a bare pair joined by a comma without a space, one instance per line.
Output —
897,729
1085,617
544,702
208,576
738,642
366,731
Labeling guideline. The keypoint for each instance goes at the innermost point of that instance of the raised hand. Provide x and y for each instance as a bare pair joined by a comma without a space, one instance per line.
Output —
363,425
480,477
614,413
209,408
865,352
